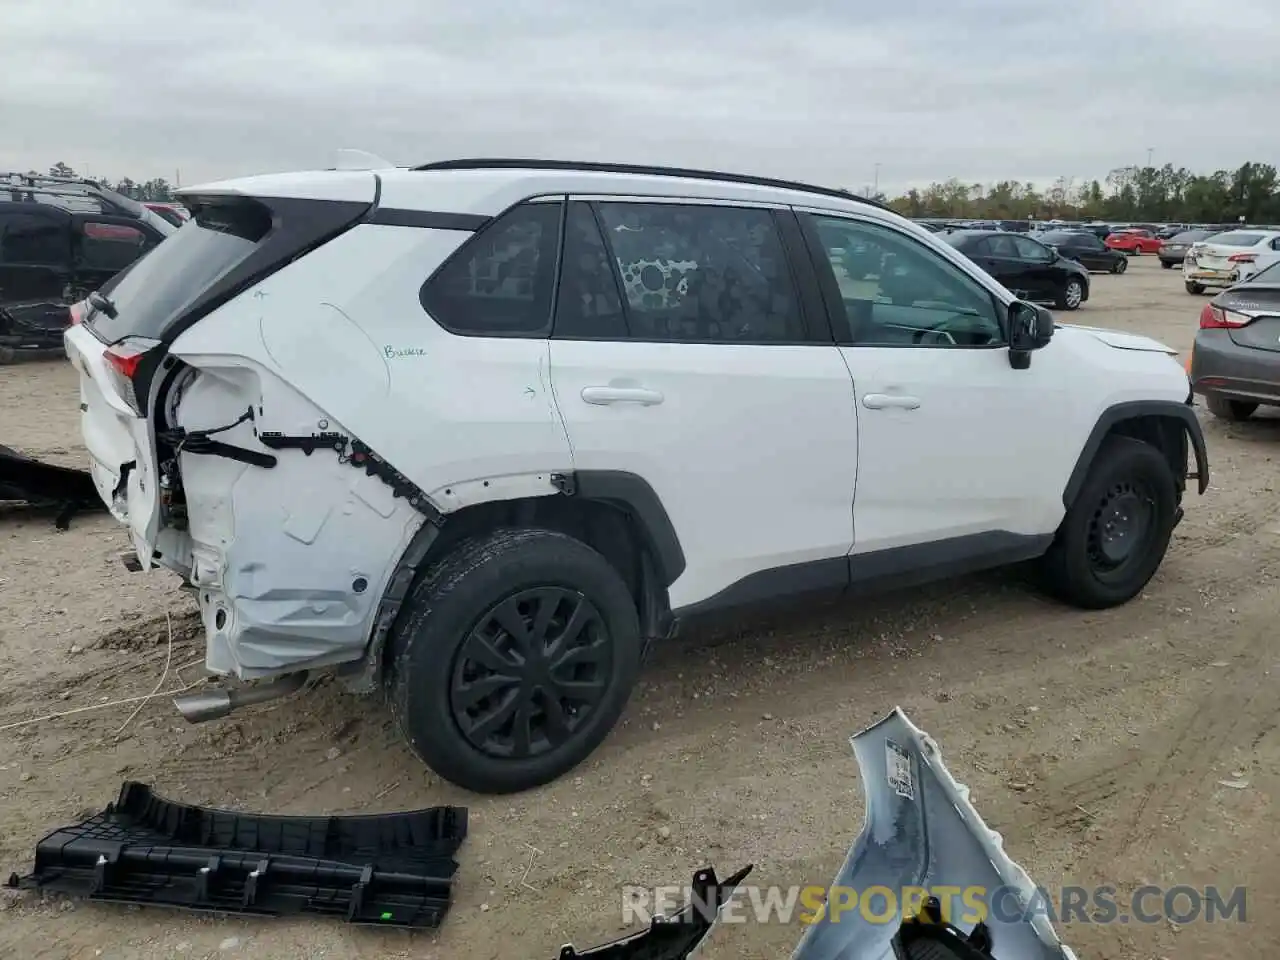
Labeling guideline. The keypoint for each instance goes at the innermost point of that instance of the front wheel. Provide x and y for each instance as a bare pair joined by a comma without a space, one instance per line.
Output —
1117,531
516,657
1071,295
1194,288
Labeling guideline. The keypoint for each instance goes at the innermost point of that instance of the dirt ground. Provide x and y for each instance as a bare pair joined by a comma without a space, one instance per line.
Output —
1096,743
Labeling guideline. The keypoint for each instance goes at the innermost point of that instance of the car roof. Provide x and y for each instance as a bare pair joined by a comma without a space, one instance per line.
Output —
487,187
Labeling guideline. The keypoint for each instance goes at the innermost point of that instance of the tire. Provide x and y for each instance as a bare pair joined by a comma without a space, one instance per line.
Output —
1194,288
1127,479
1233,410
450,631
1121,265
1071,295
1167,264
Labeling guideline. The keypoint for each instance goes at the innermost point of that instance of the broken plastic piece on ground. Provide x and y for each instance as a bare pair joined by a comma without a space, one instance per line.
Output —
392,870
673,937
44,484
922,834
32,331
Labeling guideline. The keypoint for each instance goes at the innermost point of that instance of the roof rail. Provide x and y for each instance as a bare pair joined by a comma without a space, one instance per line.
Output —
593,166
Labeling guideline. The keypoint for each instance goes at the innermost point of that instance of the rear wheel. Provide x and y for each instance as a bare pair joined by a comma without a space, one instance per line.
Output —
1194,288
516,657
1071,294
1121,265
1167,264
1234,410
1116,533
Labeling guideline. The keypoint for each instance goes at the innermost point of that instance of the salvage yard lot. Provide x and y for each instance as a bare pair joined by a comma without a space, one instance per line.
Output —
1095,743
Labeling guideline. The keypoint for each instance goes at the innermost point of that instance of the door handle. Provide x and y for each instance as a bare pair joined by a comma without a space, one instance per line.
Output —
603,396
889,401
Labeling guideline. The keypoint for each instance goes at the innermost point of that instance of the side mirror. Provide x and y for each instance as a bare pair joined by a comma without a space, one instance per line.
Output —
1030,328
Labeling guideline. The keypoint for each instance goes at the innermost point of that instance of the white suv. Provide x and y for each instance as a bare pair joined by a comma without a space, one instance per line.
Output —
478,432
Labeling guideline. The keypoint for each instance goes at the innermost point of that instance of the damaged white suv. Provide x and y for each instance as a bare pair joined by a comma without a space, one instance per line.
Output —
478,432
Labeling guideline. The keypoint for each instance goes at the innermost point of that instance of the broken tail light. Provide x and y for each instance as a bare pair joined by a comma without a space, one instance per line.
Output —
1216,318
131,364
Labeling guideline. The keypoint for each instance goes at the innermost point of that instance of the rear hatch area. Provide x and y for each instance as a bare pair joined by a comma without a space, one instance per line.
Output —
118,347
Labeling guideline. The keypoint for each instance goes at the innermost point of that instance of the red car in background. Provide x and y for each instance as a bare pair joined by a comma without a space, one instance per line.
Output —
173,212
1133,241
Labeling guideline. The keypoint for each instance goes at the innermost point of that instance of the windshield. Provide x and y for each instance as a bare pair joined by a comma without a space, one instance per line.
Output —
1236,238
157,287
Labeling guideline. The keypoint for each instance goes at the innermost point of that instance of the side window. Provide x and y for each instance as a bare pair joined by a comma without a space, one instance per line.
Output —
1275,244
702,273
110,246
589,305
917,297
34,240
1030,250
500,282
1001,245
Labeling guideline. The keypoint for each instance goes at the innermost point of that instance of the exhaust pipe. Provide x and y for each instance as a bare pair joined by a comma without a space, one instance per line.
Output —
205,705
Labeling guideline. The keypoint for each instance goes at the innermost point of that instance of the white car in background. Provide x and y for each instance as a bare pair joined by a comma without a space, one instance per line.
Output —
1229,258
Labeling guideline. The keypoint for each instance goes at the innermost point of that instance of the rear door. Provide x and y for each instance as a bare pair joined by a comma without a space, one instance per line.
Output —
999,257
35,253
687,351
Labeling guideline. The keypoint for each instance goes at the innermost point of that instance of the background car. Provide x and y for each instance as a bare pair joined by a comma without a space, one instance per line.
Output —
1024,266
1133,241
1085,249
1174,250
1229,258
1235,362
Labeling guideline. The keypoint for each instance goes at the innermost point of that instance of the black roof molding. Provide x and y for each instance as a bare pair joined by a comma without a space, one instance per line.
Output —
592,166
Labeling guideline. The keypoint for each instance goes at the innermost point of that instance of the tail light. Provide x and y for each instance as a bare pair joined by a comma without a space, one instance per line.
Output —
132,364
1243,258
1216,318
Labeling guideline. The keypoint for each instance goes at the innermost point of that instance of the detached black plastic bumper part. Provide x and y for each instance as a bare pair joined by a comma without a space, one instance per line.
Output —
677,936
389,870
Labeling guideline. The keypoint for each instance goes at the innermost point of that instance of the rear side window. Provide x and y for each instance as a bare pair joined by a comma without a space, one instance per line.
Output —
110,246
500,283
160,285
702,273
34,240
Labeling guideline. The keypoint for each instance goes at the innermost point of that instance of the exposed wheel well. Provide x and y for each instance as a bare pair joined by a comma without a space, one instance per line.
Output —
605,527
1166,434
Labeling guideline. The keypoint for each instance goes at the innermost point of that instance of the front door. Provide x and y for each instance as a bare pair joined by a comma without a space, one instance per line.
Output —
952,441
683,354
35,254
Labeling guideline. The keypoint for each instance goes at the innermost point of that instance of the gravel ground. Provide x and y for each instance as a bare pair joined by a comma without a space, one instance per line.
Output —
1096,743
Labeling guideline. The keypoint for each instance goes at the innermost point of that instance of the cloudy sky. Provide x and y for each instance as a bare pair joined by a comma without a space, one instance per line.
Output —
820,90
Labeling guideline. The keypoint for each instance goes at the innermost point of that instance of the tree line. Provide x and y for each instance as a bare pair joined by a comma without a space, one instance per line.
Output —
158,190
1165,194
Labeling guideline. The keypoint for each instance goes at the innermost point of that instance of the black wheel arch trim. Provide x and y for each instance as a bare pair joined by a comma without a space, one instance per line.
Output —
1184,413
632,494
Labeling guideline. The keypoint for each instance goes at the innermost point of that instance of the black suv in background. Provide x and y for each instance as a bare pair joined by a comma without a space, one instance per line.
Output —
1028,269
1085,249
52,257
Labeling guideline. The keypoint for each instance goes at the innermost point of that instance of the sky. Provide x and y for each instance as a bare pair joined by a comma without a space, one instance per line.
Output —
838,92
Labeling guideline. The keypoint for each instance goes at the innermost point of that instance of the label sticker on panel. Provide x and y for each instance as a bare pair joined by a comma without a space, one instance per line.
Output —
897,764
